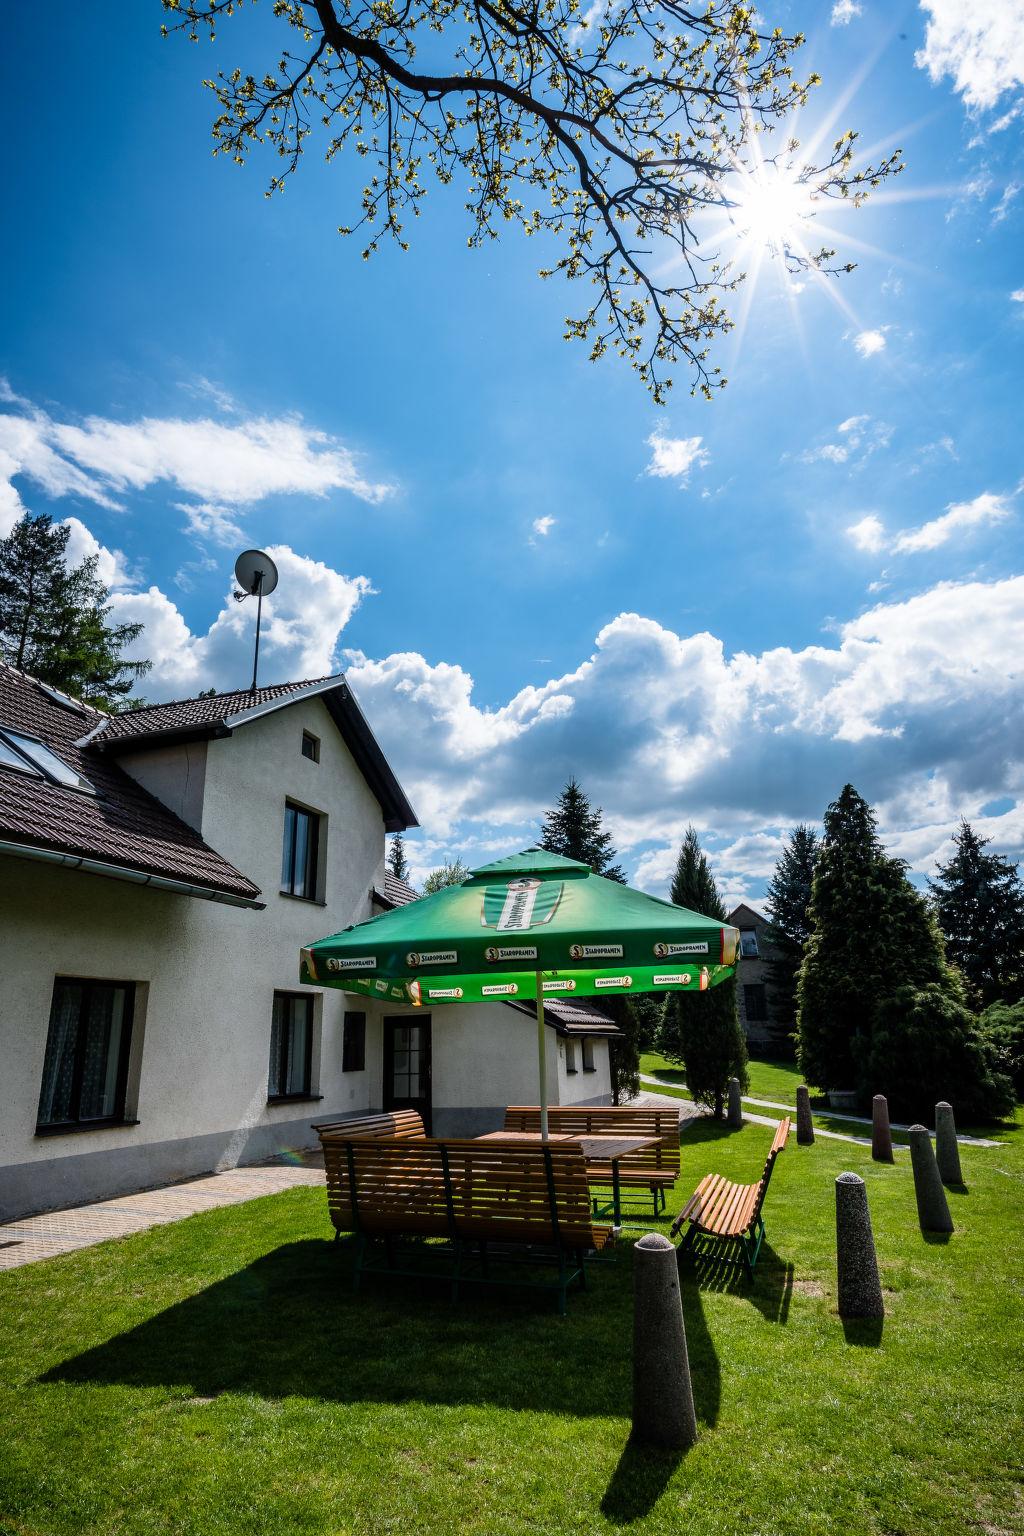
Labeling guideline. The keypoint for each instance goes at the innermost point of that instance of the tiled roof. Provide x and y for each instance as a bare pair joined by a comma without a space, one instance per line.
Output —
121,824
582,1018
398,892
198,714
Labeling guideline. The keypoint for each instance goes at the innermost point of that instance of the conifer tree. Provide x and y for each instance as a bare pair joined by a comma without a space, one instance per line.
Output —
789,928
574,829
397,863
979,902
54,619
702,1029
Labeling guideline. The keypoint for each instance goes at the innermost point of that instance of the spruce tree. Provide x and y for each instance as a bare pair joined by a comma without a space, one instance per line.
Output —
789,928
574,829
397,863
54,619
979,902
624,1051
702,1030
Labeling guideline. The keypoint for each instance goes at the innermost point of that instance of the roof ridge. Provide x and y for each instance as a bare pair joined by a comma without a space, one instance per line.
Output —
229,693
30,677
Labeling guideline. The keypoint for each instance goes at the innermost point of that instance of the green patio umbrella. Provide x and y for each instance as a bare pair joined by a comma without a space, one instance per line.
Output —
531,926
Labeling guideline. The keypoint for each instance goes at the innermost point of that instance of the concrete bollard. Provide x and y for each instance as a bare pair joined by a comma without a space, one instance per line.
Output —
860,1290
663,1412
947,1149
735,1112
804,1123
881,1136
932,1208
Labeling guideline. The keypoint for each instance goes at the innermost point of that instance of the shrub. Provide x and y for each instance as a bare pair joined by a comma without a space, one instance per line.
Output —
1002,1025
925,1046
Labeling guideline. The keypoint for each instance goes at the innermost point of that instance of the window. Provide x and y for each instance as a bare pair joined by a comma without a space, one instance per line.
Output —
353,1047
588,1056
85,1070
31,756
291,1047
311,746
570,1056
301,846
748,944
755,1004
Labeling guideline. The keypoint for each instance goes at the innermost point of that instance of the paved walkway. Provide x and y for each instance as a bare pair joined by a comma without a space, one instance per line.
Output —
40,1237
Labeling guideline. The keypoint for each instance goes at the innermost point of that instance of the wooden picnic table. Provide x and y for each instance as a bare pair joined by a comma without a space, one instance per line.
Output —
596,1149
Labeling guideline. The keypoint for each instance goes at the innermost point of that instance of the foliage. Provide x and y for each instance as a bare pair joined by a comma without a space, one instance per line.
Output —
450,873
54,618
979,902
925,1046
398,864
624,1052
611,136
789,927
1002,1025
880,1010
574,829
702,1029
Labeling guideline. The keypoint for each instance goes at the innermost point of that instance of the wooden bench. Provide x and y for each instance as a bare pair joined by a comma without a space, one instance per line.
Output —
655,1168
489,1201
399,1124
721,1212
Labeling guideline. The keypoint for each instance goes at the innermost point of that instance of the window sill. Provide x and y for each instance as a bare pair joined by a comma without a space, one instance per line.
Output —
310,901
84,1125
570,1071
294,1098
590,1069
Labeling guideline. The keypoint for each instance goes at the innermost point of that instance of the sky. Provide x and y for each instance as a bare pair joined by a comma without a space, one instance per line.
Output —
713,613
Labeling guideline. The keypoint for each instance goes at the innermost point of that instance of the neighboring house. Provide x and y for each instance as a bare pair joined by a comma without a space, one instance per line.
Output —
752,978
161,869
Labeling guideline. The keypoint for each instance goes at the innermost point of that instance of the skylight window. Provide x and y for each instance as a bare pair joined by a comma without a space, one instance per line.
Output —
31,756
63,698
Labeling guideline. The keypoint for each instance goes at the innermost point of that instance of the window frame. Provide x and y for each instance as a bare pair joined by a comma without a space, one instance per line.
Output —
759,988
587,1052
749,934
119,1117
306,1094
12,736
570,1056
313,741
311,882
354,1020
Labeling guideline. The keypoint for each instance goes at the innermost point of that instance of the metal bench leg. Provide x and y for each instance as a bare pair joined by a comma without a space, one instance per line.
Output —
582,1269
358,1272
563,1283
458,1266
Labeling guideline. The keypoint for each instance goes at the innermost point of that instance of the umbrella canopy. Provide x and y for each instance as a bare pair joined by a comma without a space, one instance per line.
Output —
526,927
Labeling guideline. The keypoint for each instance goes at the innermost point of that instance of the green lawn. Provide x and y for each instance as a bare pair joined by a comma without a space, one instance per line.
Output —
219,1376
774,1080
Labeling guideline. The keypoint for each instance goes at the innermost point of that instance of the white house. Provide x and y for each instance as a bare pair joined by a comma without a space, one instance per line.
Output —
159,872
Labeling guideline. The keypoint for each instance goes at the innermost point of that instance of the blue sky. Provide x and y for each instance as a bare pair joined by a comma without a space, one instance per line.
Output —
709,612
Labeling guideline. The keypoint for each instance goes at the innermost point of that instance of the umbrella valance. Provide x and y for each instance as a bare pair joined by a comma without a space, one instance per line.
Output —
534,919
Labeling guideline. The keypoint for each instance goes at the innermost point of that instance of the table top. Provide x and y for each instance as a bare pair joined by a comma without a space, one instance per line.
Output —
596,1149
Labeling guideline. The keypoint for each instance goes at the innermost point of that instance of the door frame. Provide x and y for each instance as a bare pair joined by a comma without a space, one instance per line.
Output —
390,1023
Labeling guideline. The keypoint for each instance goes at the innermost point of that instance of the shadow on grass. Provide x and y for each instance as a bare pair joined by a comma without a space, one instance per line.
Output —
937,1239
290,1324
638,1482
721,1269
865,1332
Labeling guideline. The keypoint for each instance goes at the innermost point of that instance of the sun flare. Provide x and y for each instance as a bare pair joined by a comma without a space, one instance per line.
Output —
771,206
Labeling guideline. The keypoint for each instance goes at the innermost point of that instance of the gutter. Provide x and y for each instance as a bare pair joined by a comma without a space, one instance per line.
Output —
124,872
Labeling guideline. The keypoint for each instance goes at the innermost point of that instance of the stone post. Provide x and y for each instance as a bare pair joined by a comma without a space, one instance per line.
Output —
663,1412
881,1136
932,1208
947,1150
735,1113
804,1123
860,1290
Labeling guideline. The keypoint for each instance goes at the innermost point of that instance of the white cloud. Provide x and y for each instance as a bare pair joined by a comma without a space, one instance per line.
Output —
672,458
869,534
1010,193
979,45
1017,295
868,343
111,566
843,12
207,520
861,438
984,509
542,526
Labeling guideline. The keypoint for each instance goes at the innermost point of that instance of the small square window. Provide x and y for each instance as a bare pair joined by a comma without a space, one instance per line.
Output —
311,746
353,1045
291,1046
748,944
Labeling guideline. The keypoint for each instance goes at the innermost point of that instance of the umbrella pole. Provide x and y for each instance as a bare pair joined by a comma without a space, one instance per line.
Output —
541,1061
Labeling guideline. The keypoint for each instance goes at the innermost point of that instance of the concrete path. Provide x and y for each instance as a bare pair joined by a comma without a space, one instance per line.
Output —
40,1237
831,1114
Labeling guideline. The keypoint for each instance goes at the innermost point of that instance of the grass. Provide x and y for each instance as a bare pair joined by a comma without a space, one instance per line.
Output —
220,1376
773,1080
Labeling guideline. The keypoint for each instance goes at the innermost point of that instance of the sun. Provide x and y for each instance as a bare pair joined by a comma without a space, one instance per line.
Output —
771,206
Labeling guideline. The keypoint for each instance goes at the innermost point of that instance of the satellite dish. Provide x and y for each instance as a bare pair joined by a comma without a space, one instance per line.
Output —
255,573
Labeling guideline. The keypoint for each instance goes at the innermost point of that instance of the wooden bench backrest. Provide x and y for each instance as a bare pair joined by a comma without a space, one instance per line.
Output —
778,1144
609,1120
470,1189
396,1124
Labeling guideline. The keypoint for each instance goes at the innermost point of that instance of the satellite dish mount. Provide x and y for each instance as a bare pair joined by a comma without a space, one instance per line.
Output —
256,575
